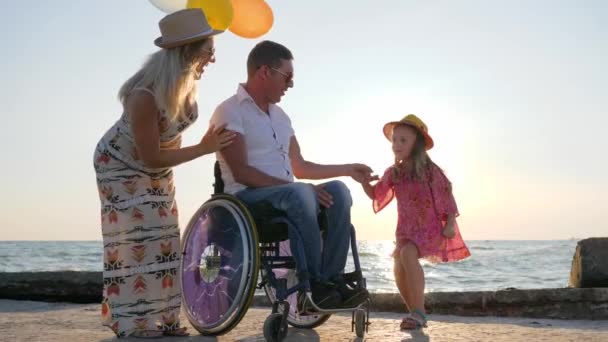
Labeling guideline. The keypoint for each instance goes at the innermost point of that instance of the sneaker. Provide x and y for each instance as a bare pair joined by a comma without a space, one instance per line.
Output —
303,305
325,296
300,302
351,297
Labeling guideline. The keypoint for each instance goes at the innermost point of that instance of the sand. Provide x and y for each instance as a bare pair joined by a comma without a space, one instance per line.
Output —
38,321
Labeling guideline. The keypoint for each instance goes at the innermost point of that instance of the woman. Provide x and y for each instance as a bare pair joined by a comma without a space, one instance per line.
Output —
133,161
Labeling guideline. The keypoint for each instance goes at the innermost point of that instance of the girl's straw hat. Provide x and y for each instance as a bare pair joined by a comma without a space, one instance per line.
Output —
413,121
184,27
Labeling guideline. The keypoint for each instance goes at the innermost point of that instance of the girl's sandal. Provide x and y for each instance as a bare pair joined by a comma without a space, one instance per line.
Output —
414,321
422,317
146,334
410,323
179,332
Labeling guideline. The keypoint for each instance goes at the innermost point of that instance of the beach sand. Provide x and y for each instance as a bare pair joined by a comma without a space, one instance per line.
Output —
38,321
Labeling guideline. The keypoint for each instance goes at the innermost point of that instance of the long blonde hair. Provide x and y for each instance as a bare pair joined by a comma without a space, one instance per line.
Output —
169,74
418,165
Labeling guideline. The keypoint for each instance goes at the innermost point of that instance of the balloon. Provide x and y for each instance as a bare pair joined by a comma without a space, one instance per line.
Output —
252,18
169,6
219,13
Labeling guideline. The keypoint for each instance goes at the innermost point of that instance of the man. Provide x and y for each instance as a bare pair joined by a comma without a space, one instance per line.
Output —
261,164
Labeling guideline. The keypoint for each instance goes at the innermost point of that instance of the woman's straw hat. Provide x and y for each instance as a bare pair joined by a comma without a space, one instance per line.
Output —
184,27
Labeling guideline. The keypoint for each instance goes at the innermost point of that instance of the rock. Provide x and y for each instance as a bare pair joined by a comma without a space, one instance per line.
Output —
590,264
564,303
65,286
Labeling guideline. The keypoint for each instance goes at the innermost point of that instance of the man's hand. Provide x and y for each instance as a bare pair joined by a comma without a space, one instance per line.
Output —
325,198
361,173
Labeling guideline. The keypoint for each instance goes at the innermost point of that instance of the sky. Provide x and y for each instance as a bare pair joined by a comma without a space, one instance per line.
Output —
514,94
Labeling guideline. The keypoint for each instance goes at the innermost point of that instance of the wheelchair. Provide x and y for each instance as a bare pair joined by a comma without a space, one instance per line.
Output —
226,245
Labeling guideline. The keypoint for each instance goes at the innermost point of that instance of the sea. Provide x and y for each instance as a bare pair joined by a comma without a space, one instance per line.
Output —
493,264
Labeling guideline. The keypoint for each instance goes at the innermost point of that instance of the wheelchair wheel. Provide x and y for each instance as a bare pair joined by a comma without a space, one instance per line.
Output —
360,320
219,266
294,318
275,329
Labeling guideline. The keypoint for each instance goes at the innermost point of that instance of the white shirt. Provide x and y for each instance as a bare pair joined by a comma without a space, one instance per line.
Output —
266,135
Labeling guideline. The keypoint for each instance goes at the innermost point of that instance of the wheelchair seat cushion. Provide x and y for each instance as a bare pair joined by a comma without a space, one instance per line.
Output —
268,221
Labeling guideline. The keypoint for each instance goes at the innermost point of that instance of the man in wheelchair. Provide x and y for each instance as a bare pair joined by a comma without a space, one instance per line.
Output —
261,163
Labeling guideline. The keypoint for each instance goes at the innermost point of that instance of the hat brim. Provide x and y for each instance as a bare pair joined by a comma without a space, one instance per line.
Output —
388,128
179,42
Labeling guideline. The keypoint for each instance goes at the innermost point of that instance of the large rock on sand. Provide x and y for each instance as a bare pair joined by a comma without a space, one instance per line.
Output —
64,286
590,263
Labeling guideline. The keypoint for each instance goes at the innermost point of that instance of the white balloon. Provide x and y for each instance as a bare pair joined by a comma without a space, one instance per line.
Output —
169,6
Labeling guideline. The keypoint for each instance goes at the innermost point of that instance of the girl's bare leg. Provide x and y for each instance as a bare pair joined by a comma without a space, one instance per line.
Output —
402,281
414,279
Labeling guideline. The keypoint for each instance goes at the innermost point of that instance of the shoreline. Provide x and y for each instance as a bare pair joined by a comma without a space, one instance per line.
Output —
557,303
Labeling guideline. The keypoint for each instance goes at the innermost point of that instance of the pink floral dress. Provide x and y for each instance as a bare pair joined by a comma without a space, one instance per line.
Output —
423,208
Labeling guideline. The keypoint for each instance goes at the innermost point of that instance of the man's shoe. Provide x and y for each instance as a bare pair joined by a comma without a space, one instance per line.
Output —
351,297
325,297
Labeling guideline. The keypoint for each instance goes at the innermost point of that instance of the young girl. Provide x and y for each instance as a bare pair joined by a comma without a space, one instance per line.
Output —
426,227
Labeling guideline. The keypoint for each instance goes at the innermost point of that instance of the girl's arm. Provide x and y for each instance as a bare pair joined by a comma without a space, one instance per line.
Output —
444,201
381,193
368,188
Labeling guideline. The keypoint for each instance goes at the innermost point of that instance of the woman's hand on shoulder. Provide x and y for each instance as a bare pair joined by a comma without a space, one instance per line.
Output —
216,138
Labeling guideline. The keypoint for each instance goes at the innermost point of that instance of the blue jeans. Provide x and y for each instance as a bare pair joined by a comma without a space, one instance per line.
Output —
300,202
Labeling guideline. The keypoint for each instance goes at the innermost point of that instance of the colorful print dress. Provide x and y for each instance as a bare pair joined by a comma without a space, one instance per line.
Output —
141,238
422,209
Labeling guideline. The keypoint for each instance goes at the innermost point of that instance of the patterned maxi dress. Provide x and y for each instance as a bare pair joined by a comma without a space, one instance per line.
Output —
141,284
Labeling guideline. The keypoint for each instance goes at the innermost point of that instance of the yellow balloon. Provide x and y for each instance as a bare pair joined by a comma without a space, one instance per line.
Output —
219,13
252,18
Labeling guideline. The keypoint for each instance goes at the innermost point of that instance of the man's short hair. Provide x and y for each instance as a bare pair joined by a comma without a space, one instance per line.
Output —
267,53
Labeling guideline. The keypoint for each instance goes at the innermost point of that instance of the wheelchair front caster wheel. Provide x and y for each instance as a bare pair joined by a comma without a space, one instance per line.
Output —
360,322
275,328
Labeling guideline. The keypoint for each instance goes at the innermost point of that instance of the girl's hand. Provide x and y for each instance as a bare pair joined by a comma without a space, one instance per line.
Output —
368,188
370,178
449,231
216,139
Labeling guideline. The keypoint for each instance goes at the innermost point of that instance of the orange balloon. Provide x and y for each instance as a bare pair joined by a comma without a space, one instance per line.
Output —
252,18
